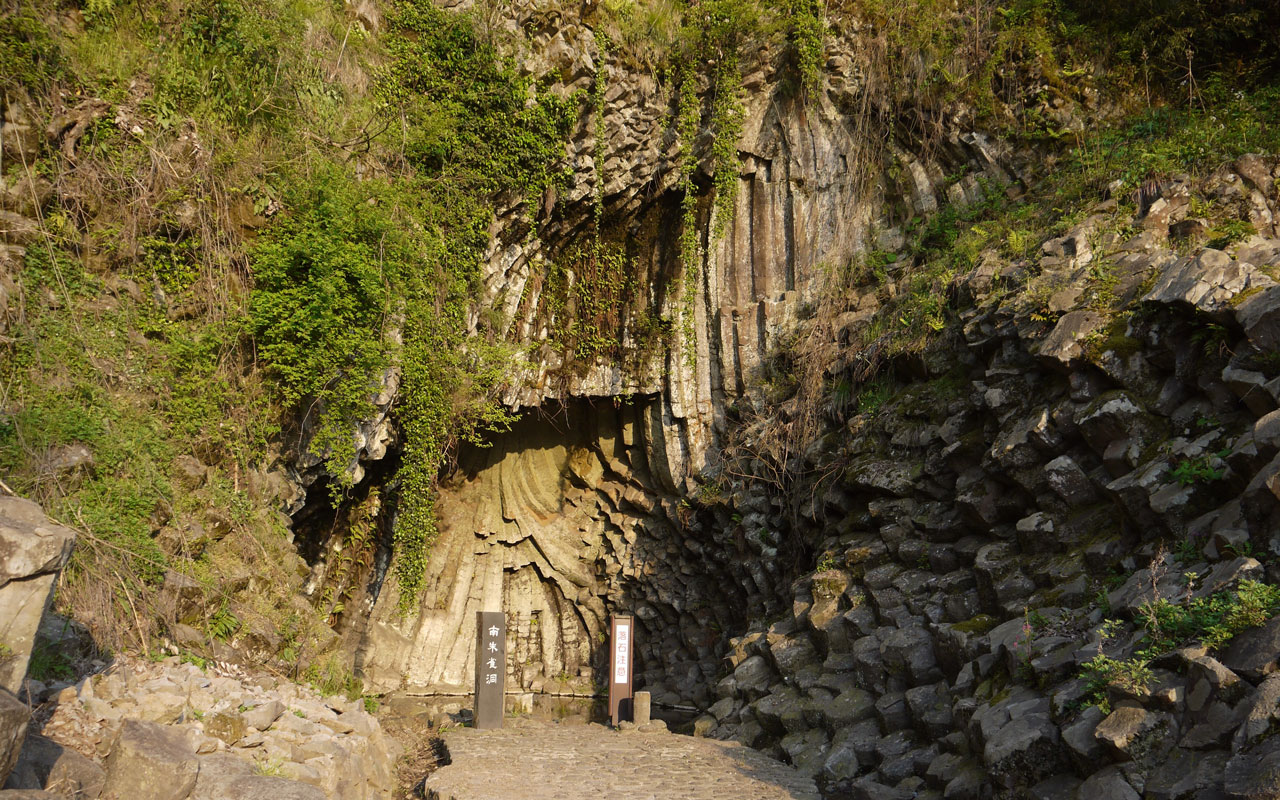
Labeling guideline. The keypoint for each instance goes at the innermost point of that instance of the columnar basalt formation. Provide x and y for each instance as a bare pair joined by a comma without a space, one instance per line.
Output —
558,523
906,605
522,523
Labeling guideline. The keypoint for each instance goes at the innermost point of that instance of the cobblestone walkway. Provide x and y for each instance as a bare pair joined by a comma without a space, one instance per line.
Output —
529,760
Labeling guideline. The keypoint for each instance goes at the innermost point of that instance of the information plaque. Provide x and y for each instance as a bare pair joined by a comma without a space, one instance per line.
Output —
620,668
491,668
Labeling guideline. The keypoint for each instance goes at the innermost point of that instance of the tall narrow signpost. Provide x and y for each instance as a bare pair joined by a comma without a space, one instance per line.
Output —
620,668
491,668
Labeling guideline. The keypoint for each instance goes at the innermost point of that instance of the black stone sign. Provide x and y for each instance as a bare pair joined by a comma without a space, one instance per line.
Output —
491,668
622,630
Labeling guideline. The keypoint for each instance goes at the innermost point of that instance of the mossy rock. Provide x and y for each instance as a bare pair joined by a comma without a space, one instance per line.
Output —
977,624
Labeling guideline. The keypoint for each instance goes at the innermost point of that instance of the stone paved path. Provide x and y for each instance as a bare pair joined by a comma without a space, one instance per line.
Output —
529,760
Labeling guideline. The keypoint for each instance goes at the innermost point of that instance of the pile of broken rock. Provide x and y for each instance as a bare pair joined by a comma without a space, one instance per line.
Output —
171,730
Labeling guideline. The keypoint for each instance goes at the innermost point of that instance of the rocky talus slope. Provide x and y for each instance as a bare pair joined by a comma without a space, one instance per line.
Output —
1017,509
173,730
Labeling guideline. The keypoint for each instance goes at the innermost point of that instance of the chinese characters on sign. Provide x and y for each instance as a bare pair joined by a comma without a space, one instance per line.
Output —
491,668
621,653
620,669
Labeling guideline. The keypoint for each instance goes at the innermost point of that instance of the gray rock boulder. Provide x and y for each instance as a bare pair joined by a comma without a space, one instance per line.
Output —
1131,728
1062,347
33,549
754,675
1255,653
848,707
1185,774
262,715
1259,315
1068,481
1207,282
14,715
1107,784
1254,774
1023,751
255,787
152,761
227,777
909,652
45,764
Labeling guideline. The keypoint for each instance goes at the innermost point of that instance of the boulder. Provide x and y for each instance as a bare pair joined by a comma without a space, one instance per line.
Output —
754,675
226,777
1211,726
14,715
256,787
909,652
1107,784
1260,713
1207,281
848,707
1062,347
152,761
930,707
968,784
792,653
1068,481
1259,315
842,762
1251,387
1185,774
33,549
227,726
1208,677
780,712
1083,747
1255,653
1058,787
1129,725
45,764
1024,750
1254,774
1116,417
867,789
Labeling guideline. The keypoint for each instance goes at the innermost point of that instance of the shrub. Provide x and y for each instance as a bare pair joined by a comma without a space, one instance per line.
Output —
29,57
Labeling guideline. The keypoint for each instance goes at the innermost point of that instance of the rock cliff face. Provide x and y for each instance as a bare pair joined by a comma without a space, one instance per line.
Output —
568,518
560,521
995,522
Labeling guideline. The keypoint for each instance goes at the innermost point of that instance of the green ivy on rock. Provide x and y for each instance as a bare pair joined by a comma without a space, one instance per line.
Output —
364,275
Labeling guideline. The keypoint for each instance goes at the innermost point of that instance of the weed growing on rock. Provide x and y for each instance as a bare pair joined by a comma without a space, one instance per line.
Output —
1212,621
1202,469
1102,673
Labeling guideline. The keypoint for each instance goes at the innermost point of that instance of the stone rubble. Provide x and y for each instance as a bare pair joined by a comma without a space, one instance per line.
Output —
151,730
